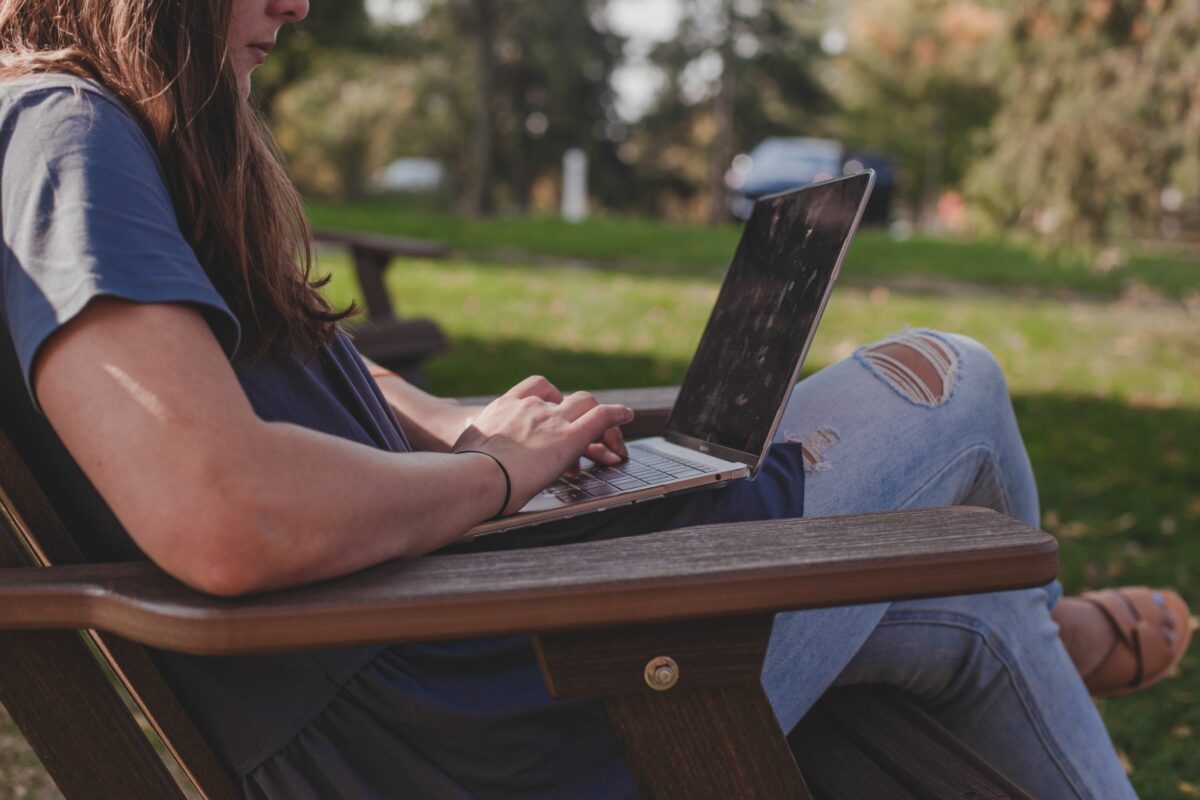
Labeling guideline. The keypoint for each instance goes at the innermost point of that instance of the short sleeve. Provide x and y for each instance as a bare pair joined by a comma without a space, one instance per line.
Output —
85,213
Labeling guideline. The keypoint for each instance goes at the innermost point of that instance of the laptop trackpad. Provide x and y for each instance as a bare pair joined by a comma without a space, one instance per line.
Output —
543,501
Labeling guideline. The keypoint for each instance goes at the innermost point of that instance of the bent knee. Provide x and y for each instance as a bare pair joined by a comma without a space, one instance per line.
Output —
925,366
979,370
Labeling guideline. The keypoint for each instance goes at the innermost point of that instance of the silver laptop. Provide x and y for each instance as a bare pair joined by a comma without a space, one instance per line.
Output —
749,357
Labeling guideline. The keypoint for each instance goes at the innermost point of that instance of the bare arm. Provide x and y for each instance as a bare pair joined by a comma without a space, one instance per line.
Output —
431,423
148,405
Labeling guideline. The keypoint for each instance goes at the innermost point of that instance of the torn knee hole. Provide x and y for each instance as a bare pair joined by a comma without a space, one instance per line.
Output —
917,365
813,447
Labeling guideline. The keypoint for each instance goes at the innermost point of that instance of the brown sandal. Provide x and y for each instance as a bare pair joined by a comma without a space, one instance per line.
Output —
1153,628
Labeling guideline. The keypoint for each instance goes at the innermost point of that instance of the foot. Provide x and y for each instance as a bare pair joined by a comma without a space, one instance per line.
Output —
1124,640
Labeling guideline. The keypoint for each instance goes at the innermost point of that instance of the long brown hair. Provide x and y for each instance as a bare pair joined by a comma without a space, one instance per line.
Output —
167,60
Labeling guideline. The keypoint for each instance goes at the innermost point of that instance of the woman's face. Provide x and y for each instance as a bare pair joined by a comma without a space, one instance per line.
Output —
253,29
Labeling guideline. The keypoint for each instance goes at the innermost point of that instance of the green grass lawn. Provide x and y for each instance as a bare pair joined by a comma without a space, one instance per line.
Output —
1107,389
642,246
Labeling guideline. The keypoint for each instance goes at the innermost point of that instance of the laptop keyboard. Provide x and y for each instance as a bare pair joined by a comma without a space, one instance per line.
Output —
644,468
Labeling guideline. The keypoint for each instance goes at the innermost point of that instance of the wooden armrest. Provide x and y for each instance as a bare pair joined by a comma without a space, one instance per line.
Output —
700,572
382,245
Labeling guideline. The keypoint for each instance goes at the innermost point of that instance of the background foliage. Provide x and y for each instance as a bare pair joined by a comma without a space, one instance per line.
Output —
1098,116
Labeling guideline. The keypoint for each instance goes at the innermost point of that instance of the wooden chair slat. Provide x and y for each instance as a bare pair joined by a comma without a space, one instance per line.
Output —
834,767
75,722
68,710
716,741
160,705
917,751
29,521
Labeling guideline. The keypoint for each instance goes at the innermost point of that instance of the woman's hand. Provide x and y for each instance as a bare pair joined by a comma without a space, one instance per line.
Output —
538,434
434,424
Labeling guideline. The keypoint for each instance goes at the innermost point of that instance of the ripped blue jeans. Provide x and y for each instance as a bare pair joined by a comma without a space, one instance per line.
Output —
877,436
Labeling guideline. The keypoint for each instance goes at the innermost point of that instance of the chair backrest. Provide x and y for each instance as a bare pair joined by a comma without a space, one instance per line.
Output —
59,686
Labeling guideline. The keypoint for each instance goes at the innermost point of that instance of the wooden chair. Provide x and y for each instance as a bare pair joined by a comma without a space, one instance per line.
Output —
669,630
399,344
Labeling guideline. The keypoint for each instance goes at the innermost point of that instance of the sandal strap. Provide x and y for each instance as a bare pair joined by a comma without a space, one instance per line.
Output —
1121,614
1154,647
1137,616
1131,632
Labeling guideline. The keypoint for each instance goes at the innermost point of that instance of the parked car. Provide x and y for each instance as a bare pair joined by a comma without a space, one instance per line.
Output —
414,175
879,207
779,164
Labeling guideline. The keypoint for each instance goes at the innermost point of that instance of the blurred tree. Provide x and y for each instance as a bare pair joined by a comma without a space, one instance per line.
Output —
918,83
350,118
1098,134
496,89
341,26
557,61
539,75
739,71
478,21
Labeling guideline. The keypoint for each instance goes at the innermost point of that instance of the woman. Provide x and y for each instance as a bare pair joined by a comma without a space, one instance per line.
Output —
157,292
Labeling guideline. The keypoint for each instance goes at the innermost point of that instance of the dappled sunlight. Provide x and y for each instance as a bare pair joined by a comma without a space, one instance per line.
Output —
140,395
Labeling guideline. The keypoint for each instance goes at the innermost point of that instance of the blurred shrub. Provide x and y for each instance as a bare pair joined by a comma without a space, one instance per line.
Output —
918,81
352,116
1098,132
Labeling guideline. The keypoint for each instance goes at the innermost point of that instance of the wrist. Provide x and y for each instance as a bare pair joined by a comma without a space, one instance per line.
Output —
503,471
452,421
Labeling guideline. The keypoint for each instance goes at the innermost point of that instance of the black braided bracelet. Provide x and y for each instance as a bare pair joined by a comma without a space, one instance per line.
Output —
507,479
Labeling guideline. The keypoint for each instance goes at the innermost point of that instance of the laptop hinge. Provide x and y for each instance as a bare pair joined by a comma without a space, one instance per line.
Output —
752,460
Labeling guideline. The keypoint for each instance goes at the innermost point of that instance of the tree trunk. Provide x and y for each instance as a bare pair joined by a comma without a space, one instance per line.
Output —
935,158
477,200
724,107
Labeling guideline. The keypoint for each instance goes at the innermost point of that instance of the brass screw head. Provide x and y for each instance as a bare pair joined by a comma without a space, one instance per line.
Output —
662,673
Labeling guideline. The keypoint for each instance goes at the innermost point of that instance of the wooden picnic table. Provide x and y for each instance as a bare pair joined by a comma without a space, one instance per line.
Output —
400,344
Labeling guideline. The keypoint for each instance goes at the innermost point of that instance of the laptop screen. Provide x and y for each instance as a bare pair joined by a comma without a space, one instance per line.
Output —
764,318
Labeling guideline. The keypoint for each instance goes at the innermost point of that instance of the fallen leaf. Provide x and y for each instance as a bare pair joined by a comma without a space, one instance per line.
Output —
1188,789
1183,732
1124,523
1071,530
